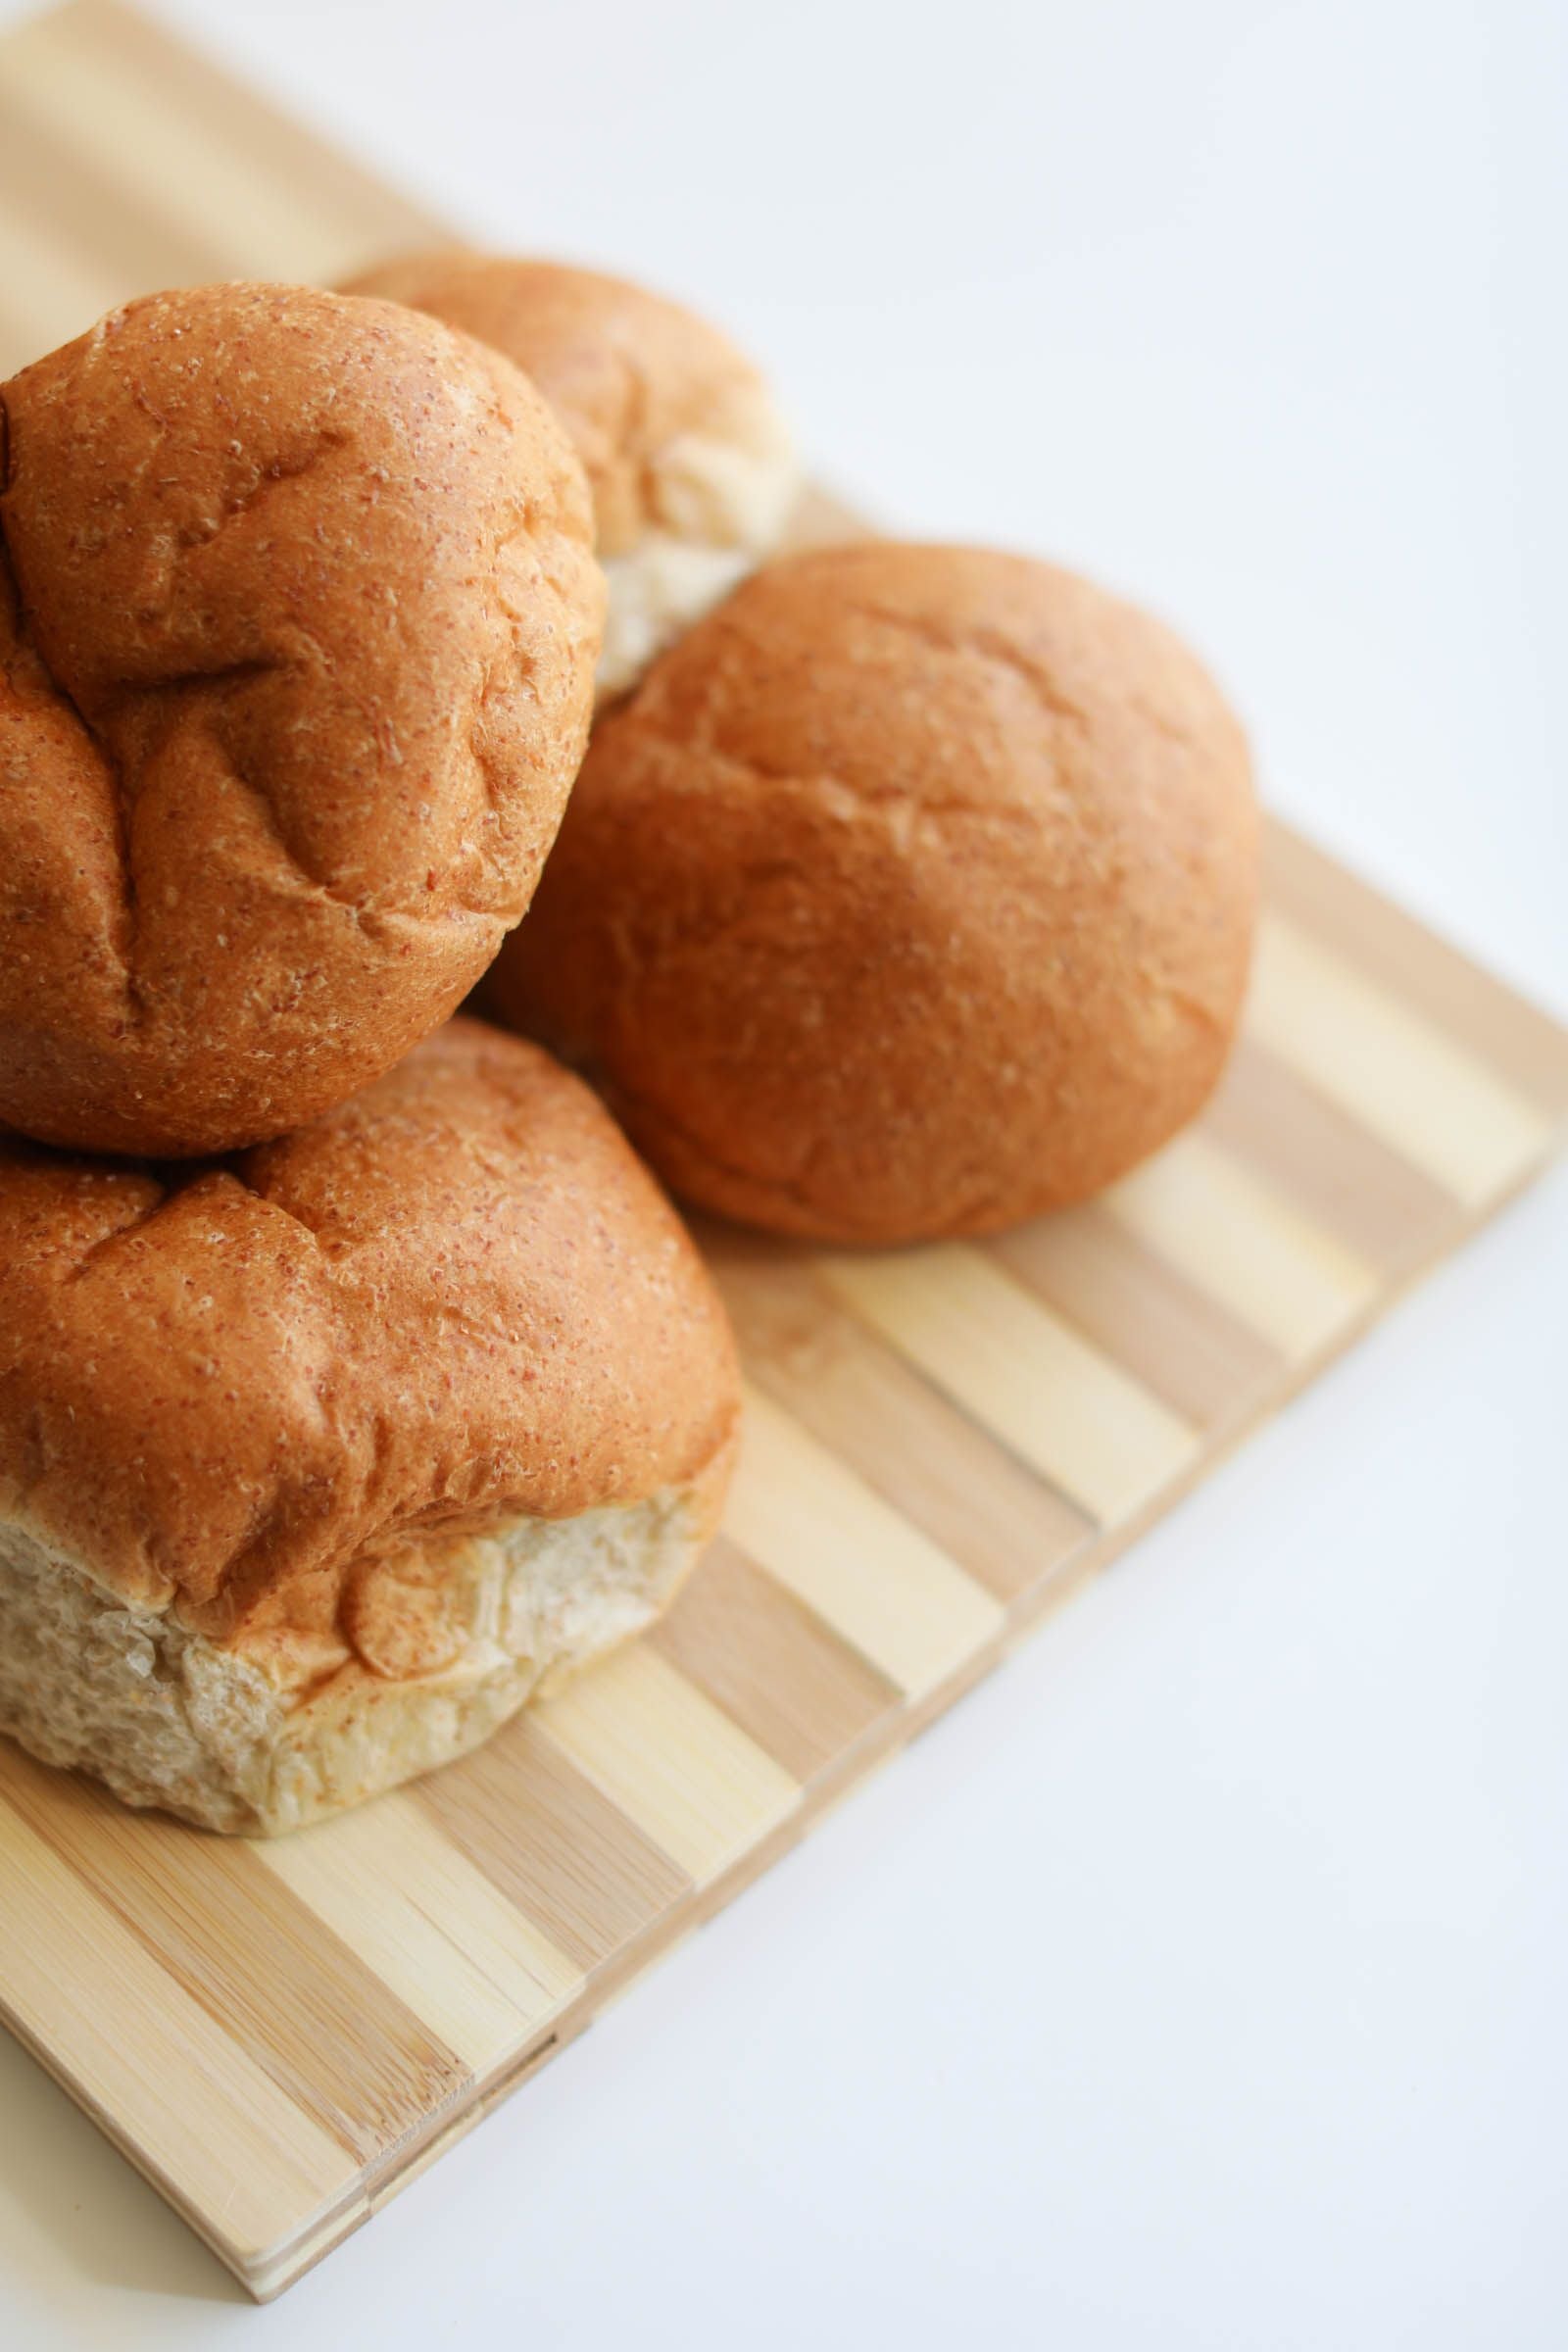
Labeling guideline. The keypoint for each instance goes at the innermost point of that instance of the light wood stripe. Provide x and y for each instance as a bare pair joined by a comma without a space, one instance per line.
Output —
410,1906
59,75
1178,1339
1425,1096
1057,1401
367,212
149,2061
848,1554
669,1759
111,226
943,1472
1346,1181
1224,1229
771,1664
48,293
583,1875
1520,1041
334,2039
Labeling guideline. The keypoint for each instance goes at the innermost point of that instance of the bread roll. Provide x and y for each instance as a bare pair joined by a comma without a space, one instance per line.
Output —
689,461
298,621
316,1463
912,893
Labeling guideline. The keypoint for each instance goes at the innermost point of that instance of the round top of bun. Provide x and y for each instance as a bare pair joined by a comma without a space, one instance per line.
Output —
912,893
627,371
298,623
687,457
456,1298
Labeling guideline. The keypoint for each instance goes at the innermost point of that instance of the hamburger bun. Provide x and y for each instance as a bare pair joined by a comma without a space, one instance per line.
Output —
298,621
688,458
910,895
316,1463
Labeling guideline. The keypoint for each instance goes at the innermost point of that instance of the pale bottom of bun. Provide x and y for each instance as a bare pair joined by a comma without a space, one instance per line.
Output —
655,593
723,502
167,1717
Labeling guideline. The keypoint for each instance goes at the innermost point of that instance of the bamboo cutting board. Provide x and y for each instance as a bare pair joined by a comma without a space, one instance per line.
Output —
941,1442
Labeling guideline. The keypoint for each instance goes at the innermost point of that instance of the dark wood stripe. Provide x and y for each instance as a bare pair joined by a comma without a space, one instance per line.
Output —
789,1682
367,211
1328,1165
285,1990
115,224
1173,1337
546,1836
940,1470
1516,1039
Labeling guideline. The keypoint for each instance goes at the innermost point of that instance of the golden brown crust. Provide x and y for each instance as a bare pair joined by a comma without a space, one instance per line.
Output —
455,1301
624,370
912,893
298,621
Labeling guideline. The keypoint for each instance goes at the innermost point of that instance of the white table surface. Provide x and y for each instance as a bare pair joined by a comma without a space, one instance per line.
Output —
1257,312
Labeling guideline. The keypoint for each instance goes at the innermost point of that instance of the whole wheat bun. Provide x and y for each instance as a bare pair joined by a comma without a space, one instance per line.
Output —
315,1463
298,622
688,458
910,895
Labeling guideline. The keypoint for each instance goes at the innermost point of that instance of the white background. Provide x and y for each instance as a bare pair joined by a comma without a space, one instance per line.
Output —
1200,1983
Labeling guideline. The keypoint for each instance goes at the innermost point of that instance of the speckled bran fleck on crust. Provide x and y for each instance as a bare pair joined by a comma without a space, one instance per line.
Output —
912,893
298,622
278,1401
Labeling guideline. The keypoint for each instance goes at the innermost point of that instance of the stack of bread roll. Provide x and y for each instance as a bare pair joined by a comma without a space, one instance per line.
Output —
356,1377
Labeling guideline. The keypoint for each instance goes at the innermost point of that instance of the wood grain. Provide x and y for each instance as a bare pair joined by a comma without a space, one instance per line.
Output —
943,1444
419,1917
1313,1155
577,1868
670,1761
244,2162
765,1658
287,1993
1517,1041
947,1474
1067,1411
854,1561
1415,1086
1274,1270
1208,1365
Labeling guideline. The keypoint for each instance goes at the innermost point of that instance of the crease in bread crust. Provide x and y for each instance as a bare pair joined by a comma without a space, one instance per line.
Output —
252,536
168,1717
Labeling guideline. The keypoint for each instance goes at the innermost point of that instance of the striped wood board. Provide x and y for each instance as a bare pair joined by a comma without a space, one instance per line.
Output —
941,1442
